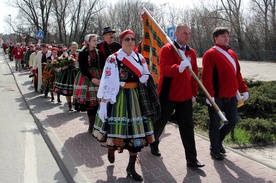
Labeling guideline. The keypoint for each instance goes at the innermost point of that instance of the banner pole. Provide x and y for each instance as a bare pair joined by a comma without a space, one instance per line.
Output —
222,117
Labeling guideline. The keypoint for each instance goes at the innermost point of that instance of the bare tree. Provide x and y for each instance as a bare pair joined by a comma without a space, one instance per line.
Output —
264,10
35,11
61,12
233,13
125,14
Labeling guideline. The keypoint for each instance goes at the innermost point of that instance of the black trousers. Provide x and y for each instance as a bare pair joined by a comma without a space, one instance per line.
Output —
184,112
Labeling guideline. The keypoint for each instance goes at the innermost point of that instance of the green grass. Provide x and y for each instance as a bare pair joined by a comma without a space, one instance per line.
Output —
241,137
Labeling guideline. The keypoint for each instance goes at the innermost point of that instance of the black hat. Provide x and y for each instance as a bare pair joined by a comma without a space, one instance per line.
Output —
44,45
107,30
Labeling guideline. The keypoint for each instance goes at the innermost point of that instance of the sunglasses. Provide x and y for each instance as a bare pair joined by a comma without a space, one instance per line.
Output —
128,39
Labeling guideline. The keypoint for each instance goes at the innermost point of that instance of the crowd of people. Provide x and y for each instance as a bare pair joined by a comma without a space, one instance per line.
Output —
112,82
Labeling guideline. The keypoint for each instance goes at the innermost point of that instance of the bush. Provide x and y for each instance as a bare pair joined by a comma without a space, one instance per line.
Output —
259,130
262,101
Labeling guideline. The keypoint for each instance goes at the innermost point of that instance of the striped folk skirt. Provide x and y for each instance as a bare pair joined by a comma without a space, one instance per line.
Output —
125,127
65,82
85,92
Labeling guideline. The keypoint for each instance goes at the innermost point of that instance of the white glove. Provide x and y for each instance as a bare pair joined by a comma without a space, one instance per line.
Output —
208,102
245,95
184,63
238,96
144,78
103,111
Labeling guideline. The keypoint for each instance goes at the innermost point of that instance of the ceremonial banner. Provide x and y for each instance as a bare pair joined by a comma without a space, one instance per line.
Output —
153,41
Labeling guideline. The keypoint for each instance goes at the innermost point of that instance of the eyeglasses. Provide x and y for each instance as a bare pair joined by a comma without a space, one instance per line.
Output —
128,39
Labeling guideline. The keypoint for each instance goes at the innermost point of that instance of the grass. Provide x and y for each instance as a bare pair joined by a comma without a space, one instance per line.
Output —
240,137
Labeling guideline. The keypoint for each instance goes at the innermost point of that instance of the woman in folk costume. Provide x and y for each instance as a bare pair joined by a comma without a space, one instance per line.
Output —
65,80
49,76
120,123
87,80
38,65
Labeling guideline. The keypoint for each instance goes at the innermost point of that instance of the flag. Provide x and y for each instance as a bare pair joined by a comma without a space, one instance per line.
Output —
152,42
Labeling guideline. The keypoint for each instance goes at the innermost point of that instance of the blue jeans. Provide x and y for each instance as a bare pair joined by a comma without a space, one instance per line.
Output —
218,131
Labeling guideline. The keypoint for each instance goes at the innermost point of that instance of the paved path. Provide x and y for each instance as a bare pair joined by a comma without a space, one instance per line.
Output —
82,159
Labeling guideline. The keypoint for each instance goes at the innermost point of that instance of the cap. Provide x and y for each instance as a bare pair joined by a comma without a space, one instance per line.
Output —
107,30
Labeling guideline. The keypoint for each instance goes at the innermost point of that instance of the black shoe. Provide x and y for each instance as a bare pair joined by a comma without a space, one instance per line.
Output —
217,156
133,174
222,150
154,149
195,164
31,75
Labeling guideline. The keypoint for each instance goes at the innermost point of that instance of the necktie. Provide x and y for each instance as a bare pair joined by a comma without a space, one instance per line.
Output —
182,48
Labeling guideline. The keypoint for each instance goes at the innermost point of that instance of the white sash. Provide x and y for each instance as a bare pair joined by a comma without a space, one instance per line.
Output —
231,60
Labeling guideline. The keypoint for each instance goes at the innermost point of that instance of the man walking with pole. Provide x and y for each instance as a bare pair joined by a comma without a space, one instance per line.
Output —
177,91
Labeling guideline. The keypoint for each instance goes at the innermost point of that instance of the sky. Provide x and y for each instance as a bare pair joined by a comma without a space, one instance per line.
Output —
6,10
4,15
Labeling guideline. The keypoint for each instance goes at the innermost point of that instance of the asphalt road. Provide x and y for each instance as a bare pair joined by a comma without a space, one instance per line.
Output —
24,155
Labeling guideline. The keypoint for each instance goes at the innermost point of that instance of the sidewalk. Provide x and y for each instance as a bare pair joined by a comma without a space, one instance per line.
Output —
82,159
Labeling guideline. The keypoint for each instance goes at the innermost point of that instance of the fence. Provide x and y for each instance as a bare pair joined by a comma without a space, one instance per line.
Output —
257,55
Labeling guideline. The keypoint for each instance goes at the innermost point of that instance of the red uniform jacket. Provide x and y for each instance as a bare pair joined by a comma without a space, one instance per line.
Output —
218,76
173,85
17,53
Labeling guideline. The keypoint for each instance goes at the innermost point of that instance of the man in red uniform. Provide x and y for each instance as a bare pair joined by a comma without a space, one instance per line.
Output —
18,55
222,79
108,46
177,91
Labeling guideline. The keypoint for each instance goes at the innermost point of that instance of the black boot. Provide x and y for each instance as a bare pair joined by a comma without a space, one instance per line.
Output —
46,93
58,98
35,86
52,97
91,120
70,106
111,155
154,149
131,168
